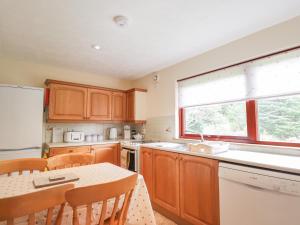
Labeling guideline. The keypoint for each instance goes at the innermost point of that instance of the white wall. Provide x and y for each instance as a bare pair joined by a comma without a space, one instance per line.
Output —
14,71
161,97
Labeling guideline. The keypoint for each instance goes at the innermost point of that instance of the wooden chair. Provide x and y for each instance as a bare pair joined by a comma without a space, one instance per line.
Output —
69,160
101,193
29,204
21,165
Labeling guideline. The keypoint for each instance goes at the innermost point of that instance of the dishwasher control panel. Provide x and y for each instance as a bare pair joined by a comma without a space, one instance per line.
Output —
261,179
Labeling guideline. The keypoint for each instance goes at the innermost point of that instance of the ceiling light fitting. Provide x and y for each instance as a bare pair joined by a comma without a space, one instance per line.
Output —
97,47
121,21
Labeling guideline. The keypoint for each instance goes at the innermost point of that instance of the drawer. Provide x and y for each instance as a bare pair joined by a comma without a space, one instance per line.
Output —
65,150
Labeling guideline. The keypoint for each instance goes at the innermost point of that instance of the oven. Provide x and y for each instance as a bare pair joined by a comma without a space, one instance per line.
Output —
130,158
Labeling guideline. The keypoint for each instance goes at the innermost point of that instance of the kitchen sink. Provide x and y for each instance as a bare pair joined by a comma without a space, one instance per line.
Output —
209,147
200,147
170,145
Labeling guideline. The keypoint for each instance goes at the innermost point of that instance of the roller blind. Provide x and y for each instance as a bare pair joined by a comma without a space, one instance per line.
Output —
272,76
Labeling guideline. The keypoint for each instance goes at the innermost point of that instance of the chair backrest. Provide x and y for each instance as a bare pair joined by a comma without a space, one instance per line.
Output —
21,165
69,160
29,204
101,193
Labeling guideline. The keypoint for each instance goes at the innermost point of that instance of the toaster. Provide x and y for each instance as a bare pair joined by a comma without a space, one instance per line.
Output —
73,136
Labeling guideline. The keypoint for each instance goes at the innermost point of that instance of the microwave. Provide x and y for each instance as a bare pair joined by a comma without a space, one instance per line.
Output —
73,136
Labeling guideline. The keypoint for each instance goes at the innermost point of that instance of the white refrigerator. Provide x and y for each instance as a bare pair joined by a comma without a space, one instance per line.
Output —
21,122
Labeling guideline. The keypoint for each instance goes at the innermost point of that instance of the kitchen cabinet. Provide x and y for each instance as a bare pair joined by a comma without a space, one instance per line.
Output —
185,186
146,168
199,201
67,102
65,150
118,106
107,153
70,102
99,104
165,191
136,105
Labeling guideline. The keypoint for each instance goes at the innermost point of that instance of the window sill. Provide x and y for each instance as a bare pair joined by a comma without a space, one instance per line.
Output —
278,148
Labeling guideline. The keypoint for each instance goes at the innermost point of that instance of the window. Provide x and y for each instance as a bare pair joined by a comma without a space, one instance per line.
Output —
279,119
257,101
222,119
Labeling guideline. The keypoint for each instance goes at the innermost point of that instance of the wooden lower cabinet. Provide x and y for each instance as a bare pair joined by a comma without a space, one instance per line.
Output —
199,193
146,168
102,153
65,150
107,153
165,191
185,188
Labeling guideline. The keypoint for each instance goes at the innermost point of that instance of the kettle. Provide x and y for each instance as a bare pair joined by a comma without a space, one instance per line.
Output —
113,134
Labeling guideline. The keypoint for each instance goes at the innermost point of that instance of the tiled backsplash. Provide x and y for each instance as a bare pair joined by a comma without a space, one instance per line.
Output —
87,128
160,128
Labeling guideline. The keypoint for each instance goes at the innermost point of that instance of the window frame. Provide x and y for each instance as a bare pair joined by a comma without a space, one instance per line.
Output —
252,130
251,113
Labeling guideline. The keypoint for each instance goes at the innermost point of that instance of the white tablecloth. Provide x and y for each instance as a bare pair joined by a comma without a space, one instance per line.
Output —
140,209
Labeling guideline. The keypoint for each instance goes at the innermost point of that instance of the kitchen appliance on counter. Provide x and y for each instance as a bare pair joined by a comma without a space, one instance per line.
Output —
57,134
127,132
113,133
73,136
133,132
253,196
21,122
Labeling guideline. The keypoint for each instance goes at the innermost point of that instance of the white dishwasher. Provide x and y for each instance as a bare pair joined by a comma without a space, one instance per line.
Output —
251,196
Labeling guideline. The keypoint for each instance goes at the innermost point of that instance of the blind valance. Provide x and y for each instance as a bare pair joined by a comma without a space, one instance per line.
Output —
272,76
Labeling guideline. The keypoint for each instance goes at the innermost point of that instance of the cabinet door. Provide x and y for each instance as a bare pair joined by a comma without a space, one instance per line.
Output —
118,106
106,153
67,102
146,167
130,106
199,201
65,150
166,180
99,104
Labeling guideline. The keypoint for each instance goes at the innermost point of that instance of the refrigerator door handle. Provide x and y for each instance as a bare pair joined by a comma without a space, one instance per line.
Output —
19,149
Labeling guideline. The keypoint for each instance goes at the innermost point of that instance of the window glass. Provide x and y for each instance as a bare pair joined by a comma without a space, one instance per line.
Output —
222,119
279,119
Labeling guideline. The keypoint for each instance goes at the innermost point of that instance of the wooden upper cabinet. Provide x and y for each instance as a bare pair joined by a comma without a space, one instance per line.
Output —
130,105
146,168
136,105
76,102
99,104
67,102
199,199
165,191
118,106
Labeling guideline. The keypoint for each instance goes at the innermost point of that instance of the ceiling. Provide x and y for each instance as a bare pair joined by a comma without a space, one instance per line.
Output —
159,33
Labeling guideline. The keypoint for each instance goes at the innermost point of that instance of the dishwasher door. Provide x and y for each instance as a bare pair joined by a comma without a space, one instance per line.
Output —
250,196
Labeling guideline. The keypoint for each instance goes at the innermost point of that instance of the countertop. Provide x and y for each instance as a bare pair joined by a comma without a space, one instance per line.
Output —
64,144
278,162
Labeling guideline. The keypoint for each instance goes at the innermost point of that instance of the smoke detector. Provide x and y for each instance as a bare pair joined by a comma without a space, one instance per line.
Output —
120,20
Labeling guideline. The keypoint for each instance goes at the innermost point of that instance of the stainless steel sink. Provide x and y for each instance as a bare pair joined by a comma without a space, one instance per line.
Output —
169,145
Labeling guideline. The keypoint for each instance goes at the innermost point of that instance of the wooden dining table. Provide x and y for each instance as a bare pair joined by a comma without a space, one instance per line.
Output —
140,209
